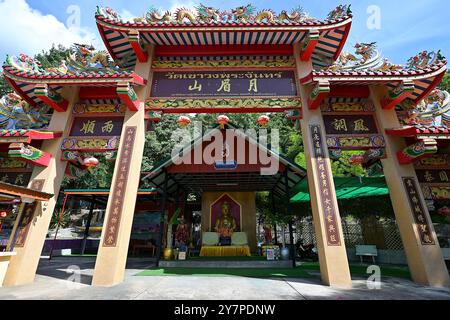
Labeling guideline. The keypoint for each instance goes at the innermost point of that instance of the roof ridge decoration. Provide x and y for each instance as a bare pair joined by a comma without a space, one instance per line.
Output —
434,110
367,57
16,114
202,14
82,59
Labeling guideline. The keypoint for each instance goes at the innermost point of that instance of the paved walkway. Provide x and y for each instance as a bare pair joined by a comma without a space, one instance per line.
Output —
54,282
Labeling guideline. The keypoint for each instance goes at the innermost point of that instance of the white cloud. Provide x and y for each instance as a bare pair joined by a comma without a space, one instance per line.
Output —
127,15
26,30
177,4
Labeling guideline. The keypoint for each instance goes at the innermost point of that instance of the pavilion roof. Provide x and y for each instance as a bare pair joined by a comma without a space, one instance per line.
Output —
194,27
348,188
227,180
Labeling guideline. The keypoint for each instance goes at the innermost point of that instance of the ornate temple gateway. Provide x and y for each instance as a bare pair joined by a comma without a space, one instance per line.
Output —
233,61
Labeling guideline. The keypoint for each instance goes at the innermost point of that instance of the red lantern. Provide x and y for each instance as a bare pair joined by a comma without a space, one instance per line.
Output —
445,211
90,162
354,160
184,121
263,120
222,120
3,214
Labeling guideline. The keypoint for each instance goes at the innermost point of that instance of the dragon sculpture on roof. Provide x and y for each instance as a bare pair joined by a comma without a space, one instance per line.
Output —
434,110
16,114
424,59
83,58
366,57
206,14
340,12
297,15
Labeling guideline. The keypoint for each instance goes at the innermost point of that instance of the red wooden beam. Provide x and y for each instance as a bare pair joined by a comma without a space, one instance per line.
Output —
419,150
134,39
433,85
357,91
402,132
320,91
20,92
310,45
307,79
397,95
87,93
29,154
128,96
224,50
343,41
57,102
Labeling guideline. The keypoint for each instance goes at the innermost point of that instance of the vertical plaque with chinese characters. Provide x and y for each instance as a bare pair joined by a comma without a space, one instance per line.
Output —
28,215
118,189
418,211
325,193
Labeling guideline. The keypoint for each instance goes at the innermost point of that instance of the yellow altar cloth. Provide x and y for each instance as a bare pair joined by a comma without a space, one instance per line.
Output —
225,251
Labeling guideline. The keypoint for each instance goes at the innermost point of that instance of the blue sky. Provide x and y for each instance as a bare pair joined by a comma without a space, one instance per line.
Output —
406,27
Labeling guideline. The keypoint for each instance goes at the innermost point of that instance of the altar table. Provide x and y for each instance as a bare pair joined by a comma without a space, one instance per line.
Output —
225,251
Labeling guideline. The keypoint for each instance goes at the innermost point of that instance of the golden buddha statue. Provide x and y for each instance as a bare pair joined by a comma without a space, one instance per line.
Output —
225,224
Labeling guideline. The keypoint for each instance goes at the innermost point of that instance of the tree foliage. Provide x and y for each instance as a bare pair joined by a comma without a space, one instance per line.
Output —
53,57
445,84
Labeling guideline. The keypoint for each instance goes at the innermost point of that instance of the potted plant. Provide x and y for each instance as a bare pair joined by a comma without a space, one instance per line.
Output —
168,252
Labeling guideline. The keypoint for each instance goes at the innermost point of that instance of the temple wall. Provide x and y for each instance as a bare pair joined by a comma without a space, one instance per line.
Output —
247,200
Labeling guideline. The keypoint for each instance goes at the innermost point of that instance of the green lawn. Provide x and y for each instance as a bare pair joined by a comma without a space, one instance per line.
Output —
219,272
302,271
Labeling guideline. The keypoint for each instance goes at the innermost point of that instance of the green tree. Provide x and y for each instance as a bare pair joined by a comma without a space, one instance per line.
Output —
47,59
4,87
445,83
53,57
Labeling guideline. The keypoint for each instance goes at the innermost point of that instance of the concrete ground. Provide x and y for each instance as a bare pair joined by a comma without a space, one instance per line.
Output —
53,281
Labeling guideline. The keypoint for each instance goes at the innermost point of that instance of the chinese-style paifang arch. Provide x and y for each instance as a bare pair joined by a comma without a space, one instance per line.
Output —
232,61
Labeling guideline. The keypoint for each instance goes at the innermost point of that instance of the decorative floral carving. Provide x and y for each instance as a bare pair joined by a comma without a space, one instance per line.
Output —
268,63
212,103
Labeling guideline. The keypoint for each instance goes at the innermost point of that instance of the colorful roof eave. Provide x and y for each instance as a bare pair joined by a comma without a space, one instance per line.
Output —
419,131
72,79
29,135
323,28
14,76
375,76
425,80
